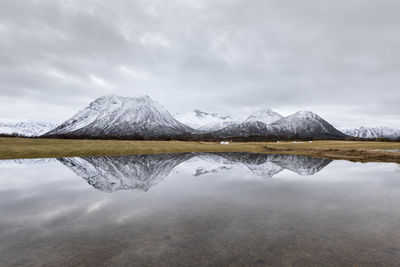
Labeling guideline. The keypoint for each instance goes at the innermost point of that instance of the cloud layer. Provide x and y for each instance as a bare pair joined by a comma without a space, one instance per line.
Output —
337,58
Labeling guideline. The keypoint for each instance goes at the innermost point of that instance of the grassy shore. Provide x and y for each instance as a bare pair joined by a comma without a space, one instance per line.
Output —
16,148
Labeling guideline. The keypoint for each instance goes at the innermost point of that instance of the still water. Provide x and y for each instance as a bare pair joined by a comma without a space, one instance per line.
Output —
199,209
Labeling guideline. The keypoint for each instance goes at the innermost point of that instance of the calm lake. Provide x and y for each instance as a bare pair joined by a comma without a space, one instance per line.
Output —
199,209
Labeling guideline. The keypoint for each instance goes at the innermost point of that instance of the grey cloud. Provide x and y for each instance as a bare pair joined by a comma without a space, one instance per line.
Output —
334,57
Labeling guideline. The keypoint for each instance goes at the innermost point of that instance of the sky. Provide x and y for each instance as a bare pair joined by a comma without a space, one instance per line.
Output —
339,59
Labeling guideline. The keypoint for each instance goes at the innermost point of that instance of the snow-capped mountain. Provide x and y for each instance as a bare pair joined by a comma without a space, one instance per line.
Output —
264,115
117,116
373,132
209,122
30,128
302,124
256,124
204,121
306,124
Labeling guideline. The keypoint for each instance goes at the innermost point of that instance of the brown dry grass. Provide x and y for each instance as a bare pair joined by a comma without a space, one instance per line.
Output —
12,148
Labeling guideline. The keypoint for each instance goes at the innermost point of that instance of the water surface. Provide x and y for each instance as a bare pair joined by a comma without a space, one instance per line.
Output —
199,209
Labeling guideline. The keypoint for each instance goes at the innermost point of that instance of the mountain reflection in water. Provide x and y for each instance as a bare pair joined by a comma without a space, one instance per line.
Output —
113,173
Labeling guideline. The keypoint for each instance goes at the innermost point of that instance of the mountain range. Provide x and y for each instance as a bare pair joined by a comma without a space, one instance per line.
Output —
302,124
114,116
141,117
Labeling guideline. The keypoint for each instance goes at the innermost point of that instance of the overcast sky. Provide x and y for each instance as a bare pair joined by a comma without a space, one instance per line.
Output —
340,59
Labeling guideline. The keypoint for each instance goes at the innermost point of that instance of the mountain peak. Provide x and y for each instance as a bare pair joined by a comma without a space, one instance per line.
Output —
265,109
305,114
205,121
265,115
114,97
108,97
145,98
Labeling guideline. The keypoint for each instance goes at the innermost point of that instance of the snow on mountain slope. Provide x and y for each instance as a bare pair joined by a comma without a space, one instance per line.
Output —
264,115
213,126
30,128
209,122
244,129
306,124
122,116
373,132
204,121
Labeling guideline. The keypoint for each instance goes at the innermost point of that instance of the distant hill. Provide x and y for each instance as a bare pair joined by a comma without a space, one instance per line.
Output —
204,121
373,132
30,128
